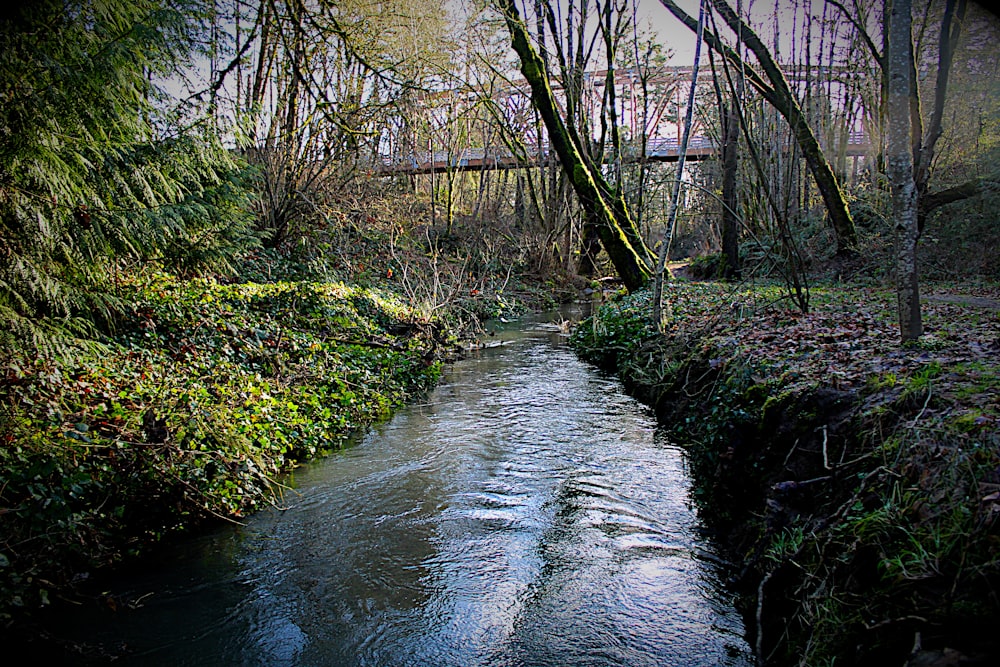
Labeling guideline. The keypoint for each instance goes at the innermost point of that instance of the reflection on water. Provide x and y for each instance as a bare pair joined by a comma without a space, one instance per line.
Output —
526,513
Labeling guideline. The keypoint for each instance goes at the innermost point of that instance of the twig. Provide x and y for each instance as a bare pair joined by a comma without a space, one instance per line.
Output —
759,643
793,484
826,459
205,507
890,621
362,343
790,452
923,409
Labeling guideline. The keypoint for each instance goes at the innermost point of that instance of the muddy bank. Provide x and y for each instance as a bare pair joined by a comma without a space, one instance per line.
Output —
856,482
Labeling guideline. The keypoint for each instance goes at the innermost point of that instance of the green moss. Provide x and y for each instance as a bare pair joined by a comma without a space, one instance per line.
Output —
759,393
773,404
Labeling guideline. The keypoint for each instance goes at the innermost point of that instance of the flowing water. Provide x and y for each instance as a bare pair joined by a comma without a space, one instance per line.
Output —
525,512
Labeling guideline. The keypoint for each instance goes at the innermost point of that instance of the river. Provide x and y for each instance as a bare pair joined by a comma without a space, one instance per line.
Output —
525,512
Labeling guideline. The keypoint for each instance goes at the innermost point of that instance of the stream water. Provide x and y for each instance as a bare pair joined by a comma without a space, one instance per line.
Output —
525,512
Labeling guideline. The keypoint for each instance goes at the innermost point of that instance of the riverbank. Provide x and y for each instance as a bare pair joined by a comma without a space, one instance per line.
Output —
178,400
187,414
522,512
856,482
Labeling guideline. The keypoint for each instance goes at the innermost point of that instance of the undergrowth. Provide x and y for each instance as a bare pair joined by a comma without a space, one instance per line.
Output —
206,392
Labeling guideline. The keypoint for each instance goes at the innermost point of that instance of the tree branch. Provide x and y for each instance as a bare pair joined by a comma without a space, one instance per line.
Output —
861,31
960,192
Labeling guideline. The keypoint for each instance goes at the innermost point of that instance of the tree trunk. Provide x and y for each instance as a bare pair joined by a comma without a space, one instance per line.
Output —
899,60
729,132
730,225
590,246
630,256
781,97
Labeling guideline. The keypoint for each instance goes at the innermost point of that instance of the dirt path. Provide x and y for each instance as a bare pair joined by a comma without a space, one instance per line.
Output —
965,300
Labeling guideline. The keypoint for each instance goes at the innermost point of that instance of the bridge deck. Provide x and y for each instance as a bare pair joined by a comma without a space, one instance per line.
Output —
481,159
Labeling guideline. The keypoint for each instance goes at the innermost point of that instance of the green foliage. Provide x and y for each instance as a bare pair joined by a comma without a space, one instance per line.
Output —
207,393
616,330
963,239
95,173
785,544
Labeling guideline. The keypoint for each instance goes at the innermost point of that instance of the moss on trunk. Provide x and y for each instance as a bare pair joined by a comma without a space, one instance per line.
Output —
619,235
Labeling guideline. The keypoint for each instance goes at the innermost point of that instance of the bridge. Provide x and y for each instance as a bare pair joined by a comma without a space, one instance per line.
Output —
664,88
658,149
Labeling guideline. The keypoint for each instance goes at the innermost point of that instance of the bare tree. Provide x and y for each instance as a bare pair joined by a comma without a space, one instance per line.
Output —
327,79
772,84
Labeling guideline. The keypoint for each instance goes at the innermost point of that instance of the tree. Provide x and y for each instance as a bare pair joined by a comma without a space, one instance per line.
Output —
771,83
668,234
730,132
911,151
96,169
899,158
632,259
925,144
729,137
327,82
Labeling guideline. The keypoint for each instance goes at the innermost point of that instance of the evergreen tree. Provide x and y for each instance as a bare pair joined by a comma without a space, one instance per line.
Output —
95,174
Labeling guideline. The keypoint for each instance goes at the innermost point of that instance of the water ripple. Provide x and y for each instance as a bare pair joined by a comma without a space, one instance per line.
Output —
525,513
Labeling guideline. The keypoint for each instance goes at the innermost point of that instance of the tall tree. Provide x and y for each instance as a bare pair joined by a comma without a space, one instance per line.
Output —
95,168
729,134
675,196
899,70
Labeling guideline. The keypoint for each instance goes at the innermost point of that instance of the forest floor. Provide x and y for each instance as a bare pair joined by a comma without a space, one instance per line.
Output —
855,479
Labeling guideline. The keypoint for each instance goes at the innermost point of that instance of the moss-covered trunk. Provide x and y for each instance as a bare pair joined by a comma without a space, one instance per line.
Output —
619,235
774,87
826,181
781,97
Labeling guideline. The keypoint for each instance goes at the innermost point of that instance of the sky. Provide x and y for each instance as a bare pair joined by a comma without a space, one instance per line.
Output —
679,39
673,34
